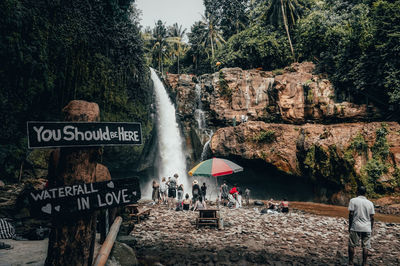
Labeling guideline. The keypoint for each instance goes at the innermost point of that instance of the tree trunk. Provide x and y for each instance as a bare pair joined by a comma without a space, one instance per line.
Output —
287,28
71,241
178,63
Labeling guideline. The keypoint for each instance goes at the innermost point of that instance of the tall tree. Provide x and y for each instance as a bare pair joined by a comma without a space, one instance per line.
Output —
286,12
158,43
176,35
196,41
232,17
212,38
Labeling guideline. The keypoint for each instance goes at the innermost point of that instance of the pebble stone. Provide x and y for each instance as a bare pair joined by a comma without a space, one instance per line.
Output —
249,238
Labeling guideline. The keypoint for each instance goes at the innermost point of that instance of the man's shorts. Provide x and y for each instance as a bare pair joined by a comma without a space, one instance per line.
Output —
354,239
171,193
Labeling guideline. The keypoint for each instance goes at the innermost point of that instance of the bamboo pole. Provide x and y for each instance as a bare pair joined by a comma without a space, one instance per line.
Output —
105,249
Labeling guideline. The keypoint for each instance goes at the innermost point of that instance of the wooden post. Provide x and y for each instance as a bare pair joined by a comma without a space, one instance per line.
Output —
105,249
71,241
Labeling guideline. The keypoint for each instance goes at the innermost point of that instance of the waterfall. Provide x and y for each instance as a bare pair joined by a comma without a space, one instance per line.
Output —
206,147
199,113
170,147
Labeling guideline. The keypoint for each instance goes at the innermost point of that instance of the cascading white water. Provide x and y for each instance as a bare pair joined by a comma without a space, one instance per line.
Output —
199,113
170,148
206,147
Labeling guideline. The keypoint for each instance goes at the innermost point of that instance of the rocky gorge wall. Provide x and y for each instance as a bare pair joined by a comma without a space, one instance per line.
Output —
292,120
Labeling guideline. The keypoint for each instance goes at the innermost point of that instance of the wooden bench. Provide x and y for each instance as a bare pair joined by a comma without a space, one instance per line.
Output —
136,214
208,217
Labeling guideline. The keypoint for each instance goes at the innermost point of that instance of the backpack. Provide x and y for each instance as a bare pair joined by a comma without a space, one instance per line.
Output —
172,184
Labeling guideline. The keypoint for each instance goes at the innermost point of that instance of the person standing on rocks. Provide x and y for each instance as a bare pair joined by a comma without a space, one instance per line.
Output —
180,193
224,193
204,191
171,192
195,191
361,222
247,196
156,193
239,198
163,190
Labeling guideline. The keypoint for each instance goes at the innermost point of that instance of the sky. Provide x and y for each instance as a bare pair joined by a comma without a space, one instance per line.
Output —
184,12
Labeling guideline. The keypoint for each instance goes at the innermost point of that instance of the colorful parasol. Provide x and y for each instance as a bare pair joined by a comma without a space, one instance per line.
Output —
215,167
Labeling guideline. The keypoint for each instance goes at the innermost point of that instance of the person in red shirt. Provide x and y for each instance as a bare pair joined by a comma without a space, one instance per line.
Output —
284,205
233,191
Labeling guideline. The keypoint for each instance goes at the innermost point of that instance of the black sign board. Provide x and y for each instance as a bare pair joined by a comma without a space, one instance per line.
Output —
59,201
82,134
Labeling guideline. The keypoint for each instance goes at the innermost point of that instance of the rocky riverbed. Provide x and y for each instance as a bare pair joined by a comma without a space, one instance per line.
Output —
249,238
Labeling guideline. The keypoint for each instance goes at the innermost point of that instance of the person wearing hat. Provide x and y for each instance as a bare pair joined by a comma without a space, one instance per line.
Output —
195,191
176,178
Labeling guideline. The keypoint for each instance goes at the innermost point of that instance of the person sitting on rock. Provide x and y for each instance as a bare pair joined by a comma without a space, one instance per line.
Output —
234,192
187,203
231,201
284,206
271,204
200,204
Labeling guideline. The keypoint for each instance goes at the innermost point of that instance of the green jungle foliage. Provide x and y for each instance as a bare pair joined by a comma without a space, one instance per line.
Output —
356,44
52,52
377,165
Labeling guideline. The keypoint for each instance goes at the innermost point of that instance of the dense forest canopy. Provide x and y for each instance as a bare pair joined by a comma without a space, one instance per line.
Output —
354,43
52,52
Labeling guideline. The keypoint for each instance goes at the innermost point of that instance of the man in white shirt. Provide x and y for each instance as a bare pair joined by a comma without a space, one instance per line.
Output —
361,222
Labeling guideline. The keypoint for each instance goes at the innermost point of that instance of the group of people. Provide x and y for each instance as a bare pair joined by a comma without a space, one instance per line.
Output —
169,190
361,210
233,197
283,206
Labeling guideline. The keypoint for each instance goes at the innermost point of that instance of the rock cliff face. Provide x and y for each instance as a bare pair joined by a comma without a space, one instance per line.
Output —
293,95
290,119
339,155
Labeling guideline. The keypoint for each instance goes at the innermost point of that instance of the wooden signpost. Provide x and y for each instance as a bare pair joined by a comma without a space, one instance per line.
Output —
77,187
85,197
83,134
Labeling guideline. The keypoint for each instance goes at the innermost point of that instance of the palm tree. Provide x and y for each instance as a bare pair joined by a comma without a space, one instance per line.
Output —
286,11
176,35
212,37
157,40
196,41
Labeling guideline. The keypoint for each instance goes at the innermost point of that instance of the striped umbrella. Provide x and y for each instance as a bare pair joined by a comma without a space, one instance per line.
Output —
215,167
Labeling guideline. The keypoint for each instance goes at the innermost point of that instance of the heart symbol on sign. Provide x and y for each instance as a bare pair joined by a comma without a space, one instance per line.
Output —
134,193
110,184
47,208
57,208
